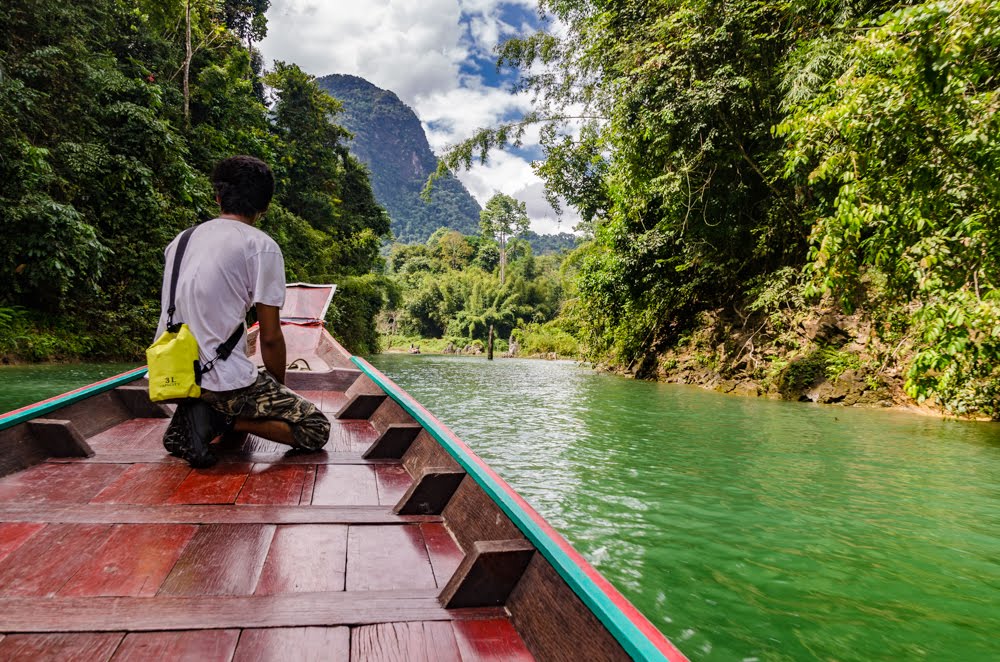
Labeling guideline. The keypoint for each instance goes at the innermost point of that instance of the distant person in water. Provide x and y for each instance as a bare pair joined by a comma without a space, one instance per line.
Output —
228,267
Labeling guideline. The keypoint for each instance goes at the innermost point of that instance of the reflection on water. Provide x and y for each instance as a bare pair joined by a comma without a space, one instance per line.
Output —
22,385
747,528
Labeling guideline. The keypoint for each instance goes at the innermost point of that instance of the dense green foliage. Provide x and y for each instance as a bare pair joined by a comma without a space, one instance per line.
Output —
388,138
101,169
716,147
451,289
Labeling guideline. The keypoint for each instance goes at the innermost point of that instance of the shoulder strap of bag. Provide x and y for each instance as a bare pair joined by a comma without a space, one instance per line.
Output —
175,271
223,351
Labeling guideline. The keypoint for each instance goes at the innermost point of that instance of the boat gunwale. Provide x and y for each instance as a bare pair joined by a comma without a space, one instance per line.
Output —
37,409
634,632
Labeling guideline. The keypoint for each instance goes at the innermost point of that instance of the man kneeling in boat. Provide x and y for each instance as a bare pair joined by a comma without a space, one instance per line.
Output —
228,266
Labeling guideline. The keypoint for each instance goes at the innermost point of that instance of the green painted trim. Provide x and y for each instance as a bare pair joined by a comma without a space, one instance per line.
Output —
634,641
19,416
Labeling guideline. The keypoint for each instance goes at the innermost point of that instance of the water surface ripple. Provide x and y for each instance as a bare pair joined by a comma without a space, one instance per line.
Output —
747,529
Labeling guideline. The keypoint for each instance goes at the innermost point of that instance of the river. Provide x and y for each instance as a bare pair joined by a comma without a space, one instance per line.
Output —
745,529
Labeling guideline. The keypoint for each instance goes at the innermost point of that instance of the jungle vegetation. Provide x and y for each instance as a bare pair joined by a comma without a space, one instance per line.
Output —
112,114
750,160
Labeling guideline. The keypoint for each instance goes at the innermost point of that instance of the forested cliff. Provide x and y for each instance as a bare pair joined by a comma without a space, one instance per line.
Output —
388,138
112,114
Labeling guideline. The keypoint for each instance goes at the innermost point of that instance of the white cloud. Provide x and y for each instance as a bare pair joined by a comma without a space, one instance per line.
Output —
416,49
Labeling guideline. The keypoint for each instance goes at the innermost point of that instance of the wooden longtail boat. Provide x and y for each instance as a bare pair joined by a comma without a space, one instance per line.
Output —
395,542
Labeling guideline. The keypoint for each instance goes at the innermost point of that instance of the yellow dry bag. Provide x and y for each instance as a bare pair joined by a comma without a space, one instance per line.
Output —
174,366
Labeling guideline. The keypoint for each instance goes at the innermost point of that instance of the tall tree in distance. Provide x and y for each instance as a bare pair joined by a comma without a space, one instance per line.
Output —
503,218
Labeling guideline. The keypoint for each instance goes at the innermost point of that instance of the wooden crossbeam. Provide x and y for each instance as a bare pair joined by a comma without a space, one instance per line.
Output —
95,513
363,398
487,574
59,438
430,491
135,397
393,442
237,457
129,614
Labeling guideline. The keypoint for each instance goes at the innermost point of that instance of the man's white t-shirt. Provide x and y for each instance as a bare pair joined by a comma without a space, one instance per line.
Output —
227,267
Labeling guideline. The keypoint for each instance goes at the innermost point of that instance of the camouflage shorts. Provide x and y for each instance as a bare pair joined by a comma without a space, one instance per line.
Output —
266,398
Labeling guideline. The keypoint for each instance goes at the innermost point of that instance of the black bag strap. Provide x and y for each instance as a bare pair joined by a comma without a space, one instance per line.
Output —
174,273
225,349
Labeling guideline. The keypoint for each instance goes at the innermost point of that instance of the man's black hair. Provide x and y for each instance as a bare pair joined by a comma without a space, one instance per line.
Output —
244,184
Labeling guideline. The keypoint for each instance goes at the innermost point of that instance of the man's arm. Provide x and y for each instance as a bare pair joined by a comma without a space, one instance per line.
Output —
271,340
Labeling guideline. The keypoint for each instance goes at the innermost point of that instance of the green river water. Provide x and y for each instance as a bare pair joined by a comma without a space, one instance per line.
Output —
745,529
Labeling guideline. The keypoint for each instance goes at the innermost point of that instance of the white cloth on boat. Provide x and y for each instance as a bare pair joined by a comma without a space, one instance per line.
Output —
227,267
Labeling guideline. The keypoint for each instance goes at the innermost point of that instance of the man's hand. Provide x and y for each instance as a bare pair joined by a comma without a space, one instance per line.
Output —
271,340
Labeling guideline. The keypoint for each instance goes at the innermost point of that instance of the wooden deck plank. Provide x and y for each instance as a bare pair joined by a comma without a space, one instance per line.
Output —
133,434
375,555
308,485
58,483
227,457
222,559
43,564
412,642
493,640
311,644
345,485
219,484
351,436
89,647
134,560
273,485
305,558
393,481
15,534
444,552
100,513
144,484
201,645
160,613
328,402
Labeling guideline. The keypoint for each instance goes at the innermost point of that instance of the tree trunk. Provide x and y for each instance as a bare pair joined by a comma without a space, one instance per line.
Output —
187,65
503,257
489,345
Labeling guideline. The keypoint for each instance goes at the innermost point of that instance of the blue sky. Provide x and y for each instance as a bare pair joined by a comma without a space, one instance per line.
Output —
438,57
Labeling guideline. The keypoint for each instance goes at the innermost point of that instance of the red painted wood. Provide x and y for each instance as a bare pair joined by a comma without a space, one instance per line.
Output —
393,481
88,647
444,552
345,485
102,513
273,485
14,534
160,613
200,645
409,642
354,436
292,644
308,485
47,560
387,557
133,434
220,484
134,560
149,484
222,559
58,483
304,558
493,640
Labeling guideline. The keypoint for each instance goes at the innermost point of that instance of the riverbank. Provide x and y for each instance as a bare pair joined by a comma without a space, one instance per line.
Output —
822,356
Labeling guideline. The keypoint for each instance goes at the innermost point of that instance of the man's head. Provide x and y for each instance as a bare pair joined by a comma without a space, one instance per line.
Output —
243,185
